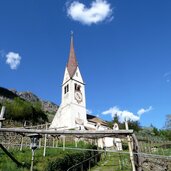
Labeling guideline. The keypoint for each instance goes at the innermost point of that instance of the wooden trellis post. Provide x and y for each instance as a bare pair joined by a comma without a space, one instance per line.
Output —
2,115
137,158
21,146
63,138
130,147
44,151
76,140
53,142
56,141
40,143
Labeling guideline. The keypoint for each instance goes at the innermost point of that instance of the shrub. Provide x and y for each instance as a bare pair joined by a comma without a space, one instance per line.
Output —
70,159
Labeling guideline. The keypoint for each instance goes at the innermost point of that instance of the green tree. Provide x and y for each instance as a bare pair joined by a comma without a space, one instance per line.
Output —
156,131
166,134
135,125
116,119
38,114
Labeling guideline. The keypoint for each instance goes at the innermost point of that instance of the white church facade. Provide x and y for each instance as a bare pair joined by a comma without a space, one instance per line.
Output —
72,110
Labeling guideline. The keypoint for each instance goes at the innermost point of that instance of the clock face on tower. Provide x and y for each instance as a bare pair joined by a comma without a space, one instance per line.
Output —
78,96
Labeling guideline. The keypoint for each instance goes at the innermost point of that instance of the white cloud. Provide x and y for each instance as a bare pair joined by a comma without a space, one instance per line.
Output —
123,115
142,111
98,11
13,59
167,76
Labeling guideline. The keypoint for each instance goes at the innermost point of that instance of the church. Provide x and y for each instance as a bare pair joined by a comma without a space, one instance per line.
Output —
72,113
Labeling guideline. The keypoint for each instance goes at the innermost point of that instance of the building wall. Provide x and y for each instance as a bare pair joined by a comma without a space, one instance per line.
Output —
70,109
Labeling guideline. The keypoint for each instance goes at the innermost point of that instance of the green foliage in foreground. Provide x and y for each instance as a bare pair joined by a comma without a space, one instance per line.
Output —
70,159
55,160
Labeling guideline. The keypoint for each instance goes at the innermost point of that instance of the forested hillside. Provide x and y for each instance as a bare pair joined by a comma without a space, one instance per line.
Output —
26,106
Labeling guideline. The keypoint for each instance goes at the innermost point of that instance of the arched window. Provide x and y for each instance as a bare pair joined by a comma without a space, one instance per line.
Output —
66,89
77,87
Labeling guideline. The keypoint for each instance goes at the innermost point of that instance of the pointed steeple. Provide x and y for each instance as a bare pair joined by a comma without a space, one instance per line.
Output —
72,61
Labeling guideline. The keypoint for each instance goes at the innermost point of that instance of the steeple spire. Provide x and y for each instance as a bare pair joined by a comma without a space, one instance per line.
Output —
72,61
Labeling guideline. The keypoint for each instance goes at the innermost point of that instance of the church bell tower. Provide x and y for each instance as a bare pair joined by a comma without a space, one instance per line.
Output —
72,111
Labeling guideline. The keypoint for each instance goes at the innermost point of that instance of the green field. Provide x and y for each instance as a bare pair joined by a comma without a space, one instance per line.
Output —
113,162
42,163
57,157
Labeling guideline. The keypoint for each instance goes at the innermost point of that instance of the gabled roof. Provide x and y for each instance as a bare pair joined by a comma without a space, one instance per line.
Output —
72,61
94,119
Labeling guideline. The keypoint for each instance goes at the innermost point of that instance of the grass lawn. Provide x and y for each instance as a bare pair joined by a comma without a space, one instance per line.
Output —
24,156
40,163
113,162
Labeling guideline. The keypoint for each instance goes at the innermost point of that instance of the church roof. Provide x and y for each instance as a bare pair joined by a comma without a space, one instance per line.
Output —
72,61
94,119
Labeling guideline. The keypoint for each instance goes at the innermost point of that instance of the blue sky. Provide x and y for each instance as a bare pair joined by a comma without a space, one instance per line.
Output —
123,49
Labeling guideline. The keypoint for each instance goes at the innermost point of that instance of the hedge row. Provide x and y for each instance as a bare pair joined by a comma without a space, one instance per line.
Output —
70,159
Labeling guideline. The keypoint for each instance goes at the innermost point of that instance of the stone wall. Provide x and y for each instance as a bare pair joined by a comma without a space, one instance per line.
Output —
156,164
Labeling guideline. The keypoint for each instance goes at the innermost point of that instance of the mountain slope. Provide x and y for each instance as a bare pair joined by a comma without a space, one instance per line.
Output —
48,107
7,94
